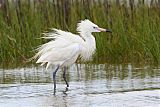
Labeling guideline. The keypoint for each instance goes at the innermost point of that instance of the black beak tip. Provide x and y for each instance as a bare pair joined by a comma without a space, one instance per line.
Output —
110,31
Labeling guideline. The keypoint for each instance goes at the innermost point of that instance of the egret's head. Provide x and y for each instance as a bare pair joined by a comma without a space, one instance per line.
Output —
88,26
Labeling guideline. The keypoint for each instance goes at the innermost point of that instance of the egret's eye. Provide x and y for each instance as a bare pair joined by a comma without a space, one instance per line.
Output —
94,27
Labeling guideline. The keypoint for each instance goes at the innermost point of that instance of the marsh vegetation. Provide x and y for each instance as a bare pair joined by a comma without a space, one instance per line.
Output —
135,37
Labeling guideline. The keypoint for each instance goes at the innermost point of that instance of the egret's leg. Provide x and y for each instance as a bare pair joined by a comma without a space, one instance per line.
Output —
64,76
54,78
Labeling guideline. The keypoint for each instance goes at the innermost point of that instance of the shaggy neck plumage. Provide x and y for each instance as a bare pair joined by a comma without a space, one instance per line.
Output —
90,45
89,39
86,36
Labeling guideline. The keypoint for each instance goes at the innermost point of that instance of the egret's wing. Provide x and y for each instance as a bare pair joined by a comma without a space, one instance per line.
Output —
59,54
59,39
63,45
85,50
57,34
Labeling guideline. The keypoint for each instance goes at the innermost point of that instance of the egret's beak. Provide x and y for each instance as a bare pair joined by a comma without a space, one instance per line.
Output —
110,31
104,30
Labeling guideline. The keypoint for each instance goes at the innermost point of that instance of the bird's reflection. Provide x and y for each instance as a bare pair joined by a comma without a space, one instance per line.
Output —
65,91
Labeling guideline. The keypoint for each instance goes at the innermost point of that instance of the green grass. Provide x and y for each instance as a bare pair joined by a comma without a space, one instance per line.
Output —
135,37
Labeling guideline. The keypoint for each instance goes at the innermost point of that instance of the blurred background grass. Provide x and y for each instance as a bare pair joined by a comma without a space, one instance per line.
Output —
135,25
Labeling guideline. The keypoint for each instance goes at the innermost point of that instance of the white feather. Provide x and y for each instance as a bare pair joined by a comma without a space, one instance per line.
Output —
64,47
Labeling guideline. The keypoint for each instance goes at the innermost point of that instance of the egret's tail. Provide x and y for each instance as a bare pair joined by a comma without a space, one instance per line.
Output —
47,47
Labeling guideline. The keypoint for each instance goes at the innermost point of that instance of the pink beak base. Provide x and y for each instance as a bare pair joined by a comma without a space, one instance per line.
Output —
104,30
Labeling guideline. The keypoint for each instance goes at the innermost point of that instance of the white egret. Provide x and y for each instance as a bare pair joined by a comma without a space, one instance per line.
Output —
65,47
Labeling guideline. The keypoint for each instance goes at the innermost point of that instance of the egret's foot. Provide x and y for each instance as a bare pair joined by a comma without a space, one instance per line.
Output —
54,79
67,85
54,92
64,77
54,86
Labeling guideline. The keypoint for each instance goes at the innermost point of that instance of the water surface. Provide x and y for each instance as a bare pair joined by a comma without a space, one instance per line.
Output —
90,86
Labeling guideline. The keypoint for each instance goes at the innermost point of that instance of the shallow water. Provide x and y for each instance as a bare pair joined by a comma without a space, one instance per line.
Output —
90,86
